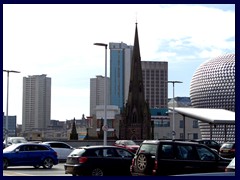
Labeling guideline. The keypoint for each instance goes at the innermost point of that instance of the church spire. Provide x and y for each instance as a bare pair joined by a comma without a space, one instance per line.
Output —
136,83
137,118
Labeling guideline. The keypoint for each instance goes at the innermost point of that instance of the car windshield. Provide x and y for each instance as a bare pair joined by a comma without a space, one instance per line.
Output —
20,140
10,148
129,143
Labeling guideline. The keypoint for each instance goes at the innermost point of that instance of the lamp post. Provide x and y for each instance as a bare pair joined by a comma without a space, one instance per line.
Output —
6,120
173,131
105,128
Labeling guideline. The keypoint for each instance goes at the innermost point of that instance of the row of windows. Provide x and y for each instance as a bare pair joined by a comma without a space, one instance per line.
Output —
166,123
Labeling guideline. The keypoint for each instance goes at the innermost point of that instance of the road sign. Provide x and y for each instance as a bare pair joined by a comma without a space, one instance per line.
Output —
173,133
105,128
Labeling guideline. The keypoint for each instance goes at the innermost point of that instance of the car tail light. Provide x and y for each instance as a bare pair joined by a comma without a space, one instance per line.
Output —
82,159
155,167
232,150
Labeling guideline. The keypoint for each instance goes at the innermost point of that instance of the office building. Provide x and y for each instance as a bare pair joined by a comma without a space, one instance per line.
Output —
97,93
120,68
155,77
36,105
12,124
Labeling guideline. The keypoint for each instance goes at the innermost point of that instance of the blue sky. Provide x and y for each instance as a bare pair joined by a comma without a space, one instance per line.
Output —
57,40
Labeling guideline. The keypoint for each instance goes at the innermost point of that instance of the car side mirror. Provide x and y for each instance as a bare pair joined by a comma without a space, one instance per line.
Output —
17,150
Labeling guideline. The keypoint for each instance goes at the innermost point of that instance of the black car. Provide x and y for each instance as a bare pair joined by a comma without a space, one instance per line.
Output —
171,157
210,143
99,161
227,150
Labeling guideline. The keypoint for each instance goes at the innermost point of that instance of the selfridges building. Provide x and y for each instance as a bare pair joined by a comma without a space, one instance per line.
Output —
213,86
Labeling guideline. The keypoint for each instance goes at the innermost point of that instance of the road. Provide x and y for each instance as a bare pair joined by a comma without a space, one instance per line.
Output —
57,170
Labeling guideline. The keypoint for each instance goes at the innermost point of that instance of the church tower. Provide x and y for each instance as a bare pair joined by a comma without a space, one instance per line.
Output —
136,118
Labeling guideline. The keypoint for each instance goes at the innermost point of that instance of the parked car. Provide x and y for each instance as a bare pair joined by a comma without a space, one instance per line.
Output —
14,140
210,143
171,157
63,149
29,154
127,144
99,161
231,166
227,150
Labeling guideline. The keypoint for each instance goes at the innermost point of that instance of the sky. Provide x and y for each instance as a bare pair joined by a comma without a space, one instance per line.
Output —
57,40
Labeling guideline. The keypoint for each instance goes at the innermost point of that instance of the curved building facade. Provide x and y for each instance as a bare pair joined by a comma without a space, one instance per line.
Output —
213,86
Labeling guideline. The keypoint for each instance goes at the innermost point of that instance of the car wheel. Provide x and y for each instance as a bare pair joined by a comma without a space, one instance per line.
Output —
5,163
141,162
97,172
47,163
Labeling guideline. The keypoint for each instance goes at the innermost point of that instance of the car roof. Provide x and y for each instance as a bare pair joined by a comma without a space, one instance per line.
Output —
16,137
167,140
98,146
53,142
228,143
28,143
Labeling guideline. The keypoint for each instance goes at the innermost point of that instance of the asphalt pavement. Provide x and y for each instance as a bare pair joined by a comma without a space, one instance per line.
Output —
57,170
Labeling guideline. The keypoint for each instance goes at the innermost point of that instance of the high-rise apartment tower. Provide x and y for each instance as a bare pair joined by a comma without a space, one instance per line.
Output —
36,109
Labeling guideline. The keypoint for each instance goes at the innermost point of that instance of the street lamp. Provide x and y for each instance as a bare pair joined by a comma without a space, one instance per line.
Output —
105,128
8,71
173,131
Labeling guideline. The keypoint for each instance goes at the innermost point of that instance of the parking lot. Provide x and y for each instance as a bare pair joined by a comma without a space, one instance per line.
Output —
57,170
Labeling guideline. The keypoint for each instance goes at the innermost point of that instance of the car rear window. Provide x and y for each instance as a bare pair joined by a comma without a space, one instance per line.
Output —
148,148
77,152
228,145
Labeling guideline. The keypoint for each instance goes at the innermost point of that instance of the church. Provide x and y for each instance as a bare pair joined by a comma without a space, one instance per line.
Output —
136,117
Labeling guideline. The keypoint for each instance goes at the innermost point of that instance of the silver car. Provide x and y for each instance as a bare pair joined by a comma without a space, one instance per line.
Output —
63,149
14,140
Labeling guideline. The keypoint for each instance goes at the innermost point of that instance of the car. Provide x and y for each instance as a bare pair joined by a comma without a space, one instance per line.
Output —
208,142
14,140
99,160
231,166
63,149
227,150
29,154
171,157
127,144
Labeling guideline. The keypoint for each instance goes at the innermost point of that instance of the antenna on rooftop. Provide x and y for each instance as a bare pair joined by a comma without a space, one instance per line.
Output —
136,17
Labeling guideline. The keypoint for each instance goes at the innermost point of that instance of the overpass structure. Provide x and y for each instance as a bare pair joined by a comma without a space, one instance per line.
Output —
212,117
